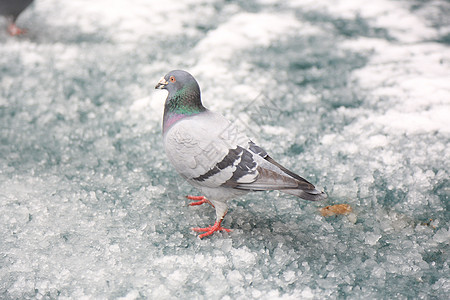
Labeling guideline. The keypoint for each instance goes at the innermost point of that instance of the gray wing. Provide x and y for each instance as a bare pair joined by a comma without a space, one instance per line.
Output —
271,176
206,149
210,151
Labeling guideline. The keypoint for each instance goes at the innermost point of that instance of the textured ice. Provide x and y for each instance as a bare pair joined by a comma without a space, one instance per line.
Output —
355,97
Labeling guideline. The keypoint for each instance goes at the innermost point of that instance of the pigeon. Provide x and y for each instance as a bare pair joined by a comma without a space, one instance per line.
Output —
214,156
11,9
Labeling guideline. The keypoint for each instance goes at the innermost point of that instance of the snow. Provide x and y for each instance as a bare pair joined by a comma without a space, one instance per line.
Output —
353,97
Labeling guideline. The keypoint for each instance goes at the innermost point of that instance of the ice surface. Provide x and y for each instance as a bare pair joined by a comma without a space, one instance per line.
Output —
354,97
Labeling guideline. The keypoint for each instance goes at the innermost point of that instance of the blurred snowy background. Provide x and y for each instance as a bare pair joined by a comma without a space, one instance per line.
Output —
360,91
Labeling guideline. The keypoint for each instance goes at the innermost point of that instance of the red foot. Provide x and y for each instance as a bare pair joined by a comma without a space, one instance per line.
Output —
14,30
210,229
202,199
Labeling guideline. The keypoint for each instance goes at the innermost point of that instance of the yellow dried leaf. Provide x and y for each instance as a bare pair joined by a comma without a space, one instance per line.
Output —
338,209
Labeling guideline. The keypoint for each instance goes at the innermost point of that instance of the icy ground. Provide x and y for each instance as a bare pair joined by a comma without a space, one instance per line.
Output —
353,96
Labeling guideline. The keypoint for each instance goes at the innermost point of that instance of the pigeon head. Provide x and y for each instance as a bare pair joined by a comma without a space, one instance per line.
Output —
178,80
184,96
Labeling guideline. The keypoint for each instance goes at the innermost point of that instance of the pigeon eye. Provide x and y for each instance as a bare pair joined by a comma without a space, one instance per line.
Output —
172,79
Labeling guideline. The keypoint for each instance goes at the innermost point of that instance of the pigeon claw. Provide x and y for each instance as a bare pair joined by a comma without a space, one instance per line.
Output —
210,229
14,30
202,199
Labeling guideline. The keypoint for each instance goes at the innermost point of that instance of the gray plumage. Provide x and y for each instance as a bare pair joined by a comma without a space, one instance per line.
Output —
214,156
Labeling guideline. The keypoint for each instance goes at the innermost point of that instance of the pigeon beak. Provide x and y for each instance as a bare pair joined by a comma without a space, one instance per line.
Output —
161,84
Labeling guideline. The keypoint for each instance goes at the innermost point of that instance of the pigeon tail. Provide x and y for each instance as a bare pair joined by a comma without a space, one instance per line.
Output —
311,195
305,190
286,182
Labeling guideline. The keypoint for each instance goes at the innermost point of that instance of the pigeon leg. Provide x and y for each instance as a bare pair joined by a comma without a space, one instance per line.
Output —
210,229
14,30
221,211
202,199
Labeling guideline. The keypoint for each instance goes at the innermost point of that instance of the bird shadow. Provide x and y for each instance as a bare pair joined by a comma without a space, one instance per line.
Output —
269,230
